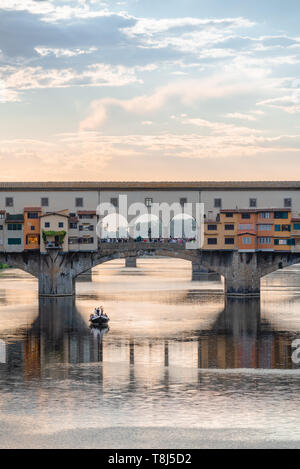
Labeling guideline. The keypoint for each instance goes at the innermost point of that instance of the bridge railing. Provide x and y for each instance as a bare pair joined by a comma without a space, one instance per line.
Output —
149,241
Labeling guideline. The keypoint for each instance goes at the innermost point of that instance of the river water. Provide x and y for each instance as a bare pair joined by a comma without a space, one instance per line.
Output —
179,367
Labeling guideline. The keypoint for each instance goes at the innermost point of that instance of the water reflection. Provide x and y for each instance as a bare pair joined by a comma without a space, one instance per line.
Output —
238,338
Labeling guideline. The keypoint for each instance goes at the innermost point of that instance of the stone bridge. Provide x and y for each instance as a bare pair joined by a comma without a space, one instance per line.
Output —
56,271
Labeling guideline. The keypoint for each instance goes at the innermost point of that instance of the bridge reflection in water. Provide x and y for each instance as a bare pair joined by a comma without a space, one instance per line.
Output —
238,338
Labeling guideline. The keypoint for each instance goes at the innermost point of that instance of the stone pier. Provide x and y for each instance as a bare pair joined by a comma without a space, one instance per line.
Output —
55,274
242,278
130,262
201,273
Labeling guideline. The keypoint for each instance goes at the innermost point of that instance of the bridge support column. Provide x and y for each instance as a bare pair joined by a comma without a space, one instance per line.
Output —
130,262
242,277
55,275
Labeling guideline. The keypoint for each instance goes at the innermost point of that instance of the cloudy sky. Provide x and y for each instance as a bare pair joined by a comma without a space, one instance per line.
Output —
149,89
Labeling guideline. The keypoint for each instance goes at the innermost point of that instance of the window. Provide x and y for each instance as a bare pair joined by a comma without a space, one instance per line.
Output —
246,240
252,202
212,241
32,239
79,202
265,215
265,227
1,227
282,227
218,203
73,240
87,215
212,227
73,226
32,228
148,201
287,202
47,224
14,226
2,215
114,201
245,216
229,227
283,215
44,202
245,227
9,202
11,241
296,226
85,240
183,201
265,240
32,215
60,224
228,214
229,240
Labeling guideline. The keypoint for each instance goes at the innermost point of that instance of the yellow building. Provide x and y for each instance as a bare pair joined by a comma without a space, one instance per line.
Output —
282,229
229,229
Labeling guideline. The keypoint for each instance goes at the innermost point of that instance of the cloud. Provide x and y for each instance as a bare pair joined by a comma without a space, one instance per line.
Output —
185,34
44,51
86,155
54,10
18,79
187,91
220,127
239,115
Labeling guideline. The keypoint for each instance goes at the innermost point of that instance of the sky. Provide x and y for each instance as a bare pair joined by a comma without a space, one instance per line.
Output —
149,90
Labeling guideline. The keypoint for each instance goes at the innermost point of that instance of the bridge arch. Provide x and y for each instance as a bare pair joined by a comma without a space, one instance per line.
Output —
122,252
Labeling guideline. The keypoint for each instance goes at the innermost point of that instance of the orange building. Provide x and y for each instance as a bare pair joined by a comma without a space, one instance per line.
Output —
32,228
247,230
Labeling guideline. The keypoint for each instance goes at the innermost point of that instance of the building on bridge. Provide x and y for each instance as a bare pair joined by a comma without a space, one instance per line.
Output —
250,230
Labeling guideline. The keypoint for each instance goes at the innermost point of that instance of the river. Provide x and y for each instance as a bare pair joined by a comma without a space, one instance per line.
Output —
178,367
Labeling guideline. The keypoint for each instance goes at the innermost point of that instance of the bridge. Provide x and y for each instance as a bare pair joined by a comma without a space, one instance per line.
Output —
57,271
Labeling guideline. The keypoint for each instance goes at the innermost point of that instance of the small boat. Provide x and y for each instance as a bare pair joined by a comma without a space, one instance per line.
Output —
100,320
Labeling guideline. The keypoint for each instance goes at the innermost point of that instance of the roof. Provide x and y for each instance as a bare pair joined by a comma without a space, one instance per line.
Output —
86,212
140,185
54,213
32,209
255,210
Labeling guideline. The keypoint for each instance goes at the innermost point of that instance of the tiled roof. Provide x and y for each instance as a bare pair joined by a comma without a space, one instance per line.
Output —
32,209
54,213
